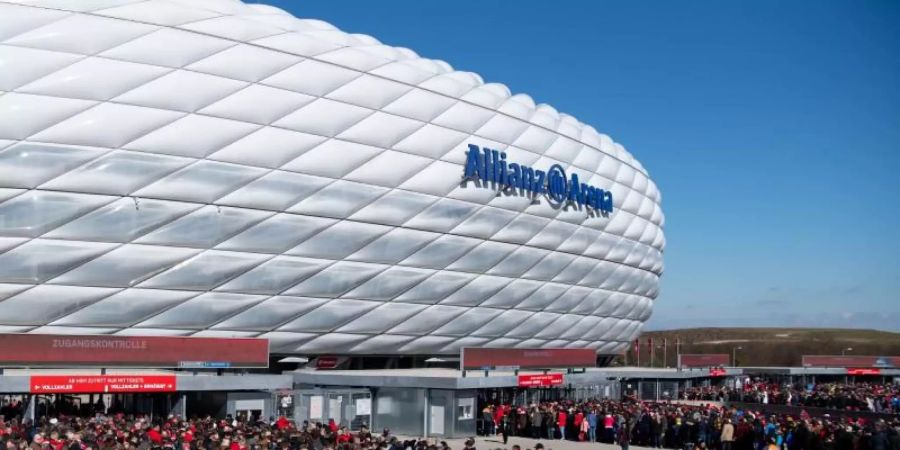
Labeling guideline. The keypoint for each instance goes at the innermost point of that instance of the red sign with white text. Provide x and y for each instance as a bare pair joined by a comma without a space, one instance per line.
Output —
88,384
850,361
52,350
525,358
863,371
326,362
688,360
550,379
717,372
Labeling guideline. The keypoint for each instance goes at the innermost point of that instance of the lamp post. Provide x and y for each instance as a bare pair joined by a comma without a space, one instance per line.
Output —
843,353
734,356
665,353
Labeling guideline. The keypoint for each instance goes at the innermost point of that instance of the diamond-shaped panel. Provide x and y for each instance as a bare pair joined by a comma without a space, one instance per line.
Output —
173,170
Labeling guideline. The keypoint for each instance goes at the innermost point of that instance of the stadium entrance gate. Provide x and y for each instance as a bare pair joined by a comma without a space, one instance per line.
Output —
347,406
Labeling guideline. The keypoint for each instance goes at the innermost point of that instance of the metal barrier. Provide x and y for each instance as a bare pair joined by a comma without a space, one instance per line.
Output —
812,411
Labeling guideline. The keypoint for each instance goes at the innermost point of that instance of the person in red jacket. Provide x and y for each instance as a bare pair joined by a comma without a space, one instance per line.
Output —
343,436
55,442
608,431
577,420
499,413
155,436
561,420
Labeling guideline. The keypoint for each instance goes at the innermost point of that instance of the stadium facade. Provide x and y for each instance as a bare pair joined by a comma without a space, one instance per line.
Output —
213,168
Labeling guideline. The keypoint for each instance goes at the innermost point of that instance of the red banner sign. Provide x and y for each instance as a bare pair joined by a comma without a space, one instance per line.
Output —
50,350
717,372
330,362
87,384
326,362
861,371
550,379
490,358
850,361
704,360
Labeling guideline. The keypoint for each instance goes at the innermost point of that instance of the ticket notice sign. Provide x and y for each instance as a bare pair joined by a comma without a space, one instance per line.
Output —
863,371
88,384
550,379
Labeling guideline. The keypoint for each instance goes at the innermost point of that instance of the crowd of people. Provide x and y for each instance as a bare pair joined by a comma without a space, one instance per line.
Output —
694,426
689,427
880,398
129,432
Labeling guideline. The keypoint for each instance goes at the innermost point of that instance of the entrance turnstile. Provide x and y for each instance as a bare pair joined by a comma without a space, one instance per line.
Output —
347,407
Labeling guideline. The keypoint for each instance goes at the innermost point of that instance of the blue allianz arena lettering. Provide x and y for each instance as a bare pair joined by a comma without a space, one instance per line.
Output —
491,168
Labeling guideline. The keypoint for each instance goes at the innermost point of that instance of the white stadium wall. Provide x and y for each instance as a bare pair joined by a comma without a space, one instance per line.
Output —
214,168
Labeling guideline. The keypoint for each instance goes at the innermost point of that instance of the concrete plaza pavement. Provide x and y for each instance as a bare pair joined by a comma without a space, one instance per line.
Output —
496,442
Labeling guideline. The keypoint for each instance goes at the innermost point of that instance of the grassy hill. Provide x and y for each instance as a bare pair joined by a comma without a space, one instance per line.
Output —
769,346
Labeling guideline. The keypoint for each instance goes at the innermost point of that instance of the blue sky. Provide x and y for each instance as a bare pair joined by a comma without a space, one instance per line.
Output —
772,129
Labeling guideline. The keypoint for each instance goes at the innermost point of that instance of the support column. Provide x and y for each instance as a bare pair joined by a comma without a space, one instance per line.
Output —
180,406
32,407
426,424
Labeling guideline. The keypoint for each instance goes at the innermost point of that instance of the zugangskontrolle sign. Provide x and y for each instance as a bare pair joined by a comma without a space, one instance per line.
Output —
475,358
49,350
704,360
89,384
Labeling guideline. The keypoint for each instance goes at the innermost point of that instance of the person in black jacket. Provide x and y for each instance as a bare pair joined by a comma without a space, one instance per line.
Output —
843,439
879,439
799,437
894,438
506,426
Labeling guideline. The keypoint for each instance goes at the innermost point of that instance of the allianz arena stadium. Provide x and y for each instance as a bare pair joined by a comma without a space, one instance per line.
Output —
215,168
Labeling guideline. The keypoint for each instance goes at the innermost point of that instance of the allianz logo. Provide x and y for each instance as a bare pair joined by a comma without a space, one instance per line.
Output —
489,169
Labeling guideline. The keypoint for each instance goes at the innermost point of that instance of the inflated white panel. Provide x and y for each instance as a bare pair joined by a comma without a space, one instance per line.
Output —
20,65
212,168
